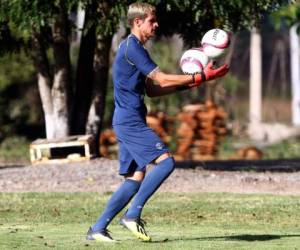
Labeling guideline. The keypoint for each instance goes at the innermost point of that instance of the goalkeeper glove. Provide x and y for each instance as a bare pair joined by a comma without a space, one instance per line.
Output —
209,73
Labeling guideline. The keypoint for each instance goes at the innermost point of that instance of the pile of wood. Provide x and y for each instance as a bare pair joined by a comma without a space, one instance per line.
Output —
108,144
201,128
160,124
248,153
108,141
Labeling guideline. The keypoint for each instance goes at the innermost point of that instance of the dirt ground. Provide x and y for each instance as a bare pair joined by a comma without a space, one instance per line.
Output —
101,175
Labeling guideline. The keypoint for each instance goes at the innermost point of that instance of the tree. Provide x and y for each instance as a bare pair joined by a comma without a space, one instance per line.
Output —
290,15
72,105
255,77
75,105
197,16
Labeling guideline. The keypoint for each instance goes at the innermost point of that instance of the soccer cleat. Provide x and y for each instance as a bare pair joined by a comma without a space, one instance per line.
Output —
136,226
103,236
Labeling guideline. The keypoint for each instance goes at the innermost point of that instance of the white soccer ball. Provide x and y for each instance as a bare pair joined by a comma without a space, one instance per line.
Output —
193,61
215,43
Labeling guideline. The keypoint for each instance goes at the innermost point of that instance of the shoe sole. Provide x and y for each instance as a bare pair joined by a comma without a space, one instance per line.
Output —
99,239
137,235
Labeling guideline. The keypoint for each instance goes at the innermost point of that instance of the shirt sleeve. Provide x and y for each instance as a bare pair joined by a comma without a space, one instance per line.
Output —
139,56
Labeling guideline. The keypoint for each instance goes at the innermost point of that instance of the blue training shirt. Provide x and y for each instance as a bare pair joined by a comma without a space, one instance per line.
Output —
131,66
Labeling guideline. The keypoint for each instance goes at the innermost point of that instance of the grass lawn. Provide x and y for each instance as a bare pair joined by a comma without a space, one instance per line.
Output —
175,221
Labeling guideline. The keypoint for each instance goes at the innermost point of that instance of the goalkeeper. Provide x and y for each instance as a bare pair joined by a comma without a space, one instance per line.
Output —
134,75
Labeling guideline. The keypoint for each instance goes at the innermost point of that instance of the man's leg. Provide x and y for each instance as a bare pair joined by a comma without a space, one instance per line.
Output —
150,184
119,200
116,203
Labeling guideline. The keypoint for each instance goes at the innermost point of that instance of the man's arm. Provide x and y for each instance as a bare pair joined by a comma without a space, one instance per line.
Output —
154,89
159,83
163,84
169,80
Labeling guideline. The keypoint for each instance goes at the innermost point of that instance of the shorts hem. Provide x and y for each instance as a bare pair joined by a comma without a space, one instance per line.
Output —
128,172
157,155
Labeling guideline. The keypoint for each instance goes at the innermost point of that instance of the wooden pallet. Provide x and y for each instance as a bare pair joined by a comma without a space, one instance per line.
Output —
72,148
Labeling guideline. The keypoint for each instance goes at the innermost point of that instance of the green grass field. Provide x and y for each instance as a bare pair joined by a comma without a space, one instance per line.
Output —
175,221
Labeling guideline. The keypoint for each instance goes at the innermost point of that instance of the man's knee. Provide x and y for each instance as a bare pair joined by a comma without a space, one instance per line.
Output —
162,157
168,164
136,176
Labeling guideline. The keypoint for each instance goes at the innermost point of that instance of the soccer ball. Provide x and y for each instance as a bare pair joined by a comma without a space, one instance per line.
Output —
215,43
193,61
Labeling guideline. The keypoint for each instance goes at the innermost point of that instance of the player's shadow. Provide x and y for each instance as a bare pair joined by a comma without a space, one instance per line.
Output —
241,237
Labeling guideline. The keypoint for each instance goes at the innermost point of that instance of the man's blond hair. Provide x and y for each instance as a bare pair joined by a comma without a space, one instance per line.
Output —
139,10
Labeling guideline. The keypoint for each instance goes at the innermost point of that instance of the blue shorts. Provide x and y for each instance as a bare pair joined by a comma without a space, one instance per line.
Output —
139,145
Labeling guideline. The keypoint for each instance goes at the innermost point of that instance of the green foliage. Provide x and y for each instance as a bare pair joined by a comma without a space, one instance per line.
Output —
14,149
8,41
109,104
29,16
175,220
20,107
19,19
36,14
15,68
289,15
232,84
167,56
107,23
287,149
198,16
195,16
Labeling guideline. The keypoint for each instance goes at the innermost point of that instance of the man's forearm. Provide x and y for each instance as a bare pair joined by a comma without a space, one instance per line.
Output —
155,90
169,80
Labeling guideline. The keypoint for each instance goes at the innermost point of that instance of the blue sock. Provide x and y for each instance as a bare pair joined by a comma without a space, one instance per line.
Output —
150,184
116,203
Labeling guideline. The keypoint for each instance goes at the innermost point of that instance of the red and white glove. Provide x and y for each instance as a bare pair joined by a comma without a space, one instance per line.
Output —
209,73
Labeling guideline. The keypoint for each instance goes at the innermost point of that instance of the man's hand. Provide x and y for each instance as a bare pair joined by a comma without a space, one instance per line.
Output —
209,73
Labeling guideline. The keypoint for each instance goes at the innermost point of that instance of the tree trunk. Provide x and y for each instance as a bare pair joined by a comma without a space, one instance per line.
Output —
45,94
101,67
41,63
61,90
84,77
295,73
255,77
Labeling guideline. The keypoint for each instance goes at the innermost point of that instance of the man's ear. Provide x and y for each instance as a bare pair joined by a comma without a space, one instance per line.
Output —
136,21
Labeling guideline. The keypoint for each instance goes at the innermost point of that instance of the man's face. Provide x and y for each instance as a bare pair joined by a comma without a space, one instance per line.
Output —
149,25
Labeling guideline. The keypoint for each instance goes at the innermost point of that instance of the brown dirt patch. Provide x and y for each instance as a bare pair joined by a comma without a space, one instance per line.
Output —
101,175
